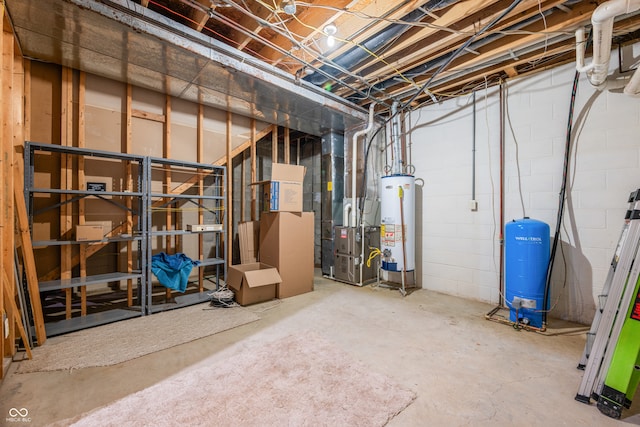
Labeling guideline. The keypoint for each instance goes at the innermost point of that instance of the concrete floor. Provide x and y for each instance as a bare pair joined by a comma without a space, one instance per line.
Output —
465,370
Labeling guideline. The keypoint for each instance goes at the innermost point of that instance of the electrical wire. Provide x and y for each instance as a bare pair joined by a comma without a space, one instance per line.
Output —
561,198
462,48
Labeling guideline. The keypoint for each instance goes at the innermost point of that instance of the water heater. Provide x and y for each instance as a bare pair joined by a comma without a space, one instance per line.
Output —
397,222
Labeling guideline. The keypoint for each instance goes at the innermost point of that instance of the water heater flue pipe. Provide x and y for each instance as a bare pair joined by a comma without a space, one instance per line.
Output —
602,22
354,163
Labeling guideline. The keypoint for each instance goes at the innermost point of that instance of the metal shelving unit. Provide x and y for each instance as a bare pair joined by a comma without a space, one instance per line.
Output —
129,201
168,194
189,193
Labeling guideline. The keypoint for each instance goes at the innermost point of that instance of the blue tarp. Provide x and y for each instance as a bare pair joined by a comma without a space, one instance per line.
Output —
172,271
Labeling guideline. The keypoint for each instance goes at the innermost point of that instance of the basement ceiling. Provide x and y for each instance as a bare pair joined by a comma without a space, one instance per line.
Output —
410,52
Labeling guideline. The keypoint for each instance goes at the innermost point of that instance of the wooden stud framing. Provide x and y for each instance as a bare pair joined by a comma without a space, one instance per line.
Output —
7,182
3,171
254,190
81,203
166,151
199,159
128,135
149,116
229,208
287,149
243,185
274,144
27,101
66,180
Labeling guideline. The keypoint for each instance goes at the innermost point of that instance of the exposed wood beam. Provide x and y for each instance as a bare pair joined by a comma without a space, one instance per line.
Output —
251,25
148,116
306,21
362,27
440,43
199,18
144,3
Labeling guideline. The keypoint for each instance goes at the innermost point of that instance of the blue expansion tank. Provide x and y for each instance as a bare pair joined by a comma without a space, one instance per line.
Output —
526,260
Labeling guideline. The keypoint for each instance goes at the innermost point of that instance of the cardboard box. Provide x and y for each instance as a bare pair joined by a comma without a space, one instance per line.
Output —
196,228
249,238
283,192
286,242
253,283
89,232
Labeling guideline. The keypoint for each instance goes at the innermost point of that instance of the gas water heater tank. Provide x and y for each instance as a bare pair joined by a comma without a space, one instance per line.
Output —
397,222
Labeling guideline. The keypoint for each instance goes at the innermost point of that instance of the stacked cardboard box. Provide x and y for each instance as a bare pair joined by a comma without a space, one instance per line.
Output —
285,246
286,242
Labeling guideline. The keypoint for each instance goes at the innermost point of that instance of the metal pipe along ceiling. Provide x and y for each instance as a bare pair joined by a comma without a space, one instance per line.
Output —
374,44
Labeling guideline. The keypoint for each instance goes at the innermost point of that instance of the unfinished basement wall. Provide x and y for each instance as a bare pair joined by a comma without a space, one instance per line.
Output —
461,248
159,126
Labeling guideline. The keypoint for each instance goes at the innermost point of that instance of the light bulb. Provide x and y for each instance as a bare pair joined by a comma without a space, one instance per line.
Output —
330,30
289,7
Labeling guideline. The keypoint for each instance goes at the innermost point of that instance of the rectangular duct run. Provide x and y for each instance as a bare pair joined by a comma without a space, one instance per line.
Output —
332,182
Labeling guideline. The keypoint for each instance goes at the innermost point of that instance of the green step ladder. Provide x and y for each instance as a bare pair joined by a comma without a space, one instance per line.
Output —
600,353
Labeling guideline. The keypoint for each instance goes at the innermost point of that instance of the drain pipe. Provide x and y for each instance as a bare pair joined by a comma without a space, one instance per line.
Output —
395,137
602,22
354,163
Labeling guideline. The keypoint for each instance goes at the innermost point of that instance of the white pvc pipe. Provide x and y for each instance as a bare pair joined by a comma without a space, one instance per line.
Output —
395,138
602,21
354,163
345,214
580,48
633,87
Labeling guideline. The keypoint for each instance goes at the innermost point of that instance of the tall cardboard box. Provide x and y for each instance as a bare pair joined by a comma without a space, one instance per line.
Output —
283,192
286,242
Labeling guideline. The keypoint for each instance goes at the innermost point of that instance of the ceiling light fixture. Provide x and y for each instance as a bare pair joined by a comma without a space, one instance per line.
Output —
289,7
330,30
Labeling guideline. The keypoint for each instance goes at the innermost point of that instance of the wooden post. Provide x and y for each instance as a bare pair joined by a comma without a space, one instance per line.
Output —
254,190
129,186
6,152
229,209
200,159
4,168
287,149
243,186
274,144
66,181
81,180
167,180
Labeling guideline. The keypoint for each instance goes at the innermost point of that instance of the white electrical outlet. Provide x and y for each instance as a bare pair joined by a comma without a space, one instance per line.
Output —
473,205
6,326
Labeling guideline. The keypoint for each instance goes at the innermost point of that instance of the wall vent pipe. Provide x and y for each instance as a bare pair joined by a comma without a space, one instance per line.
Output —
354,163
602,22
